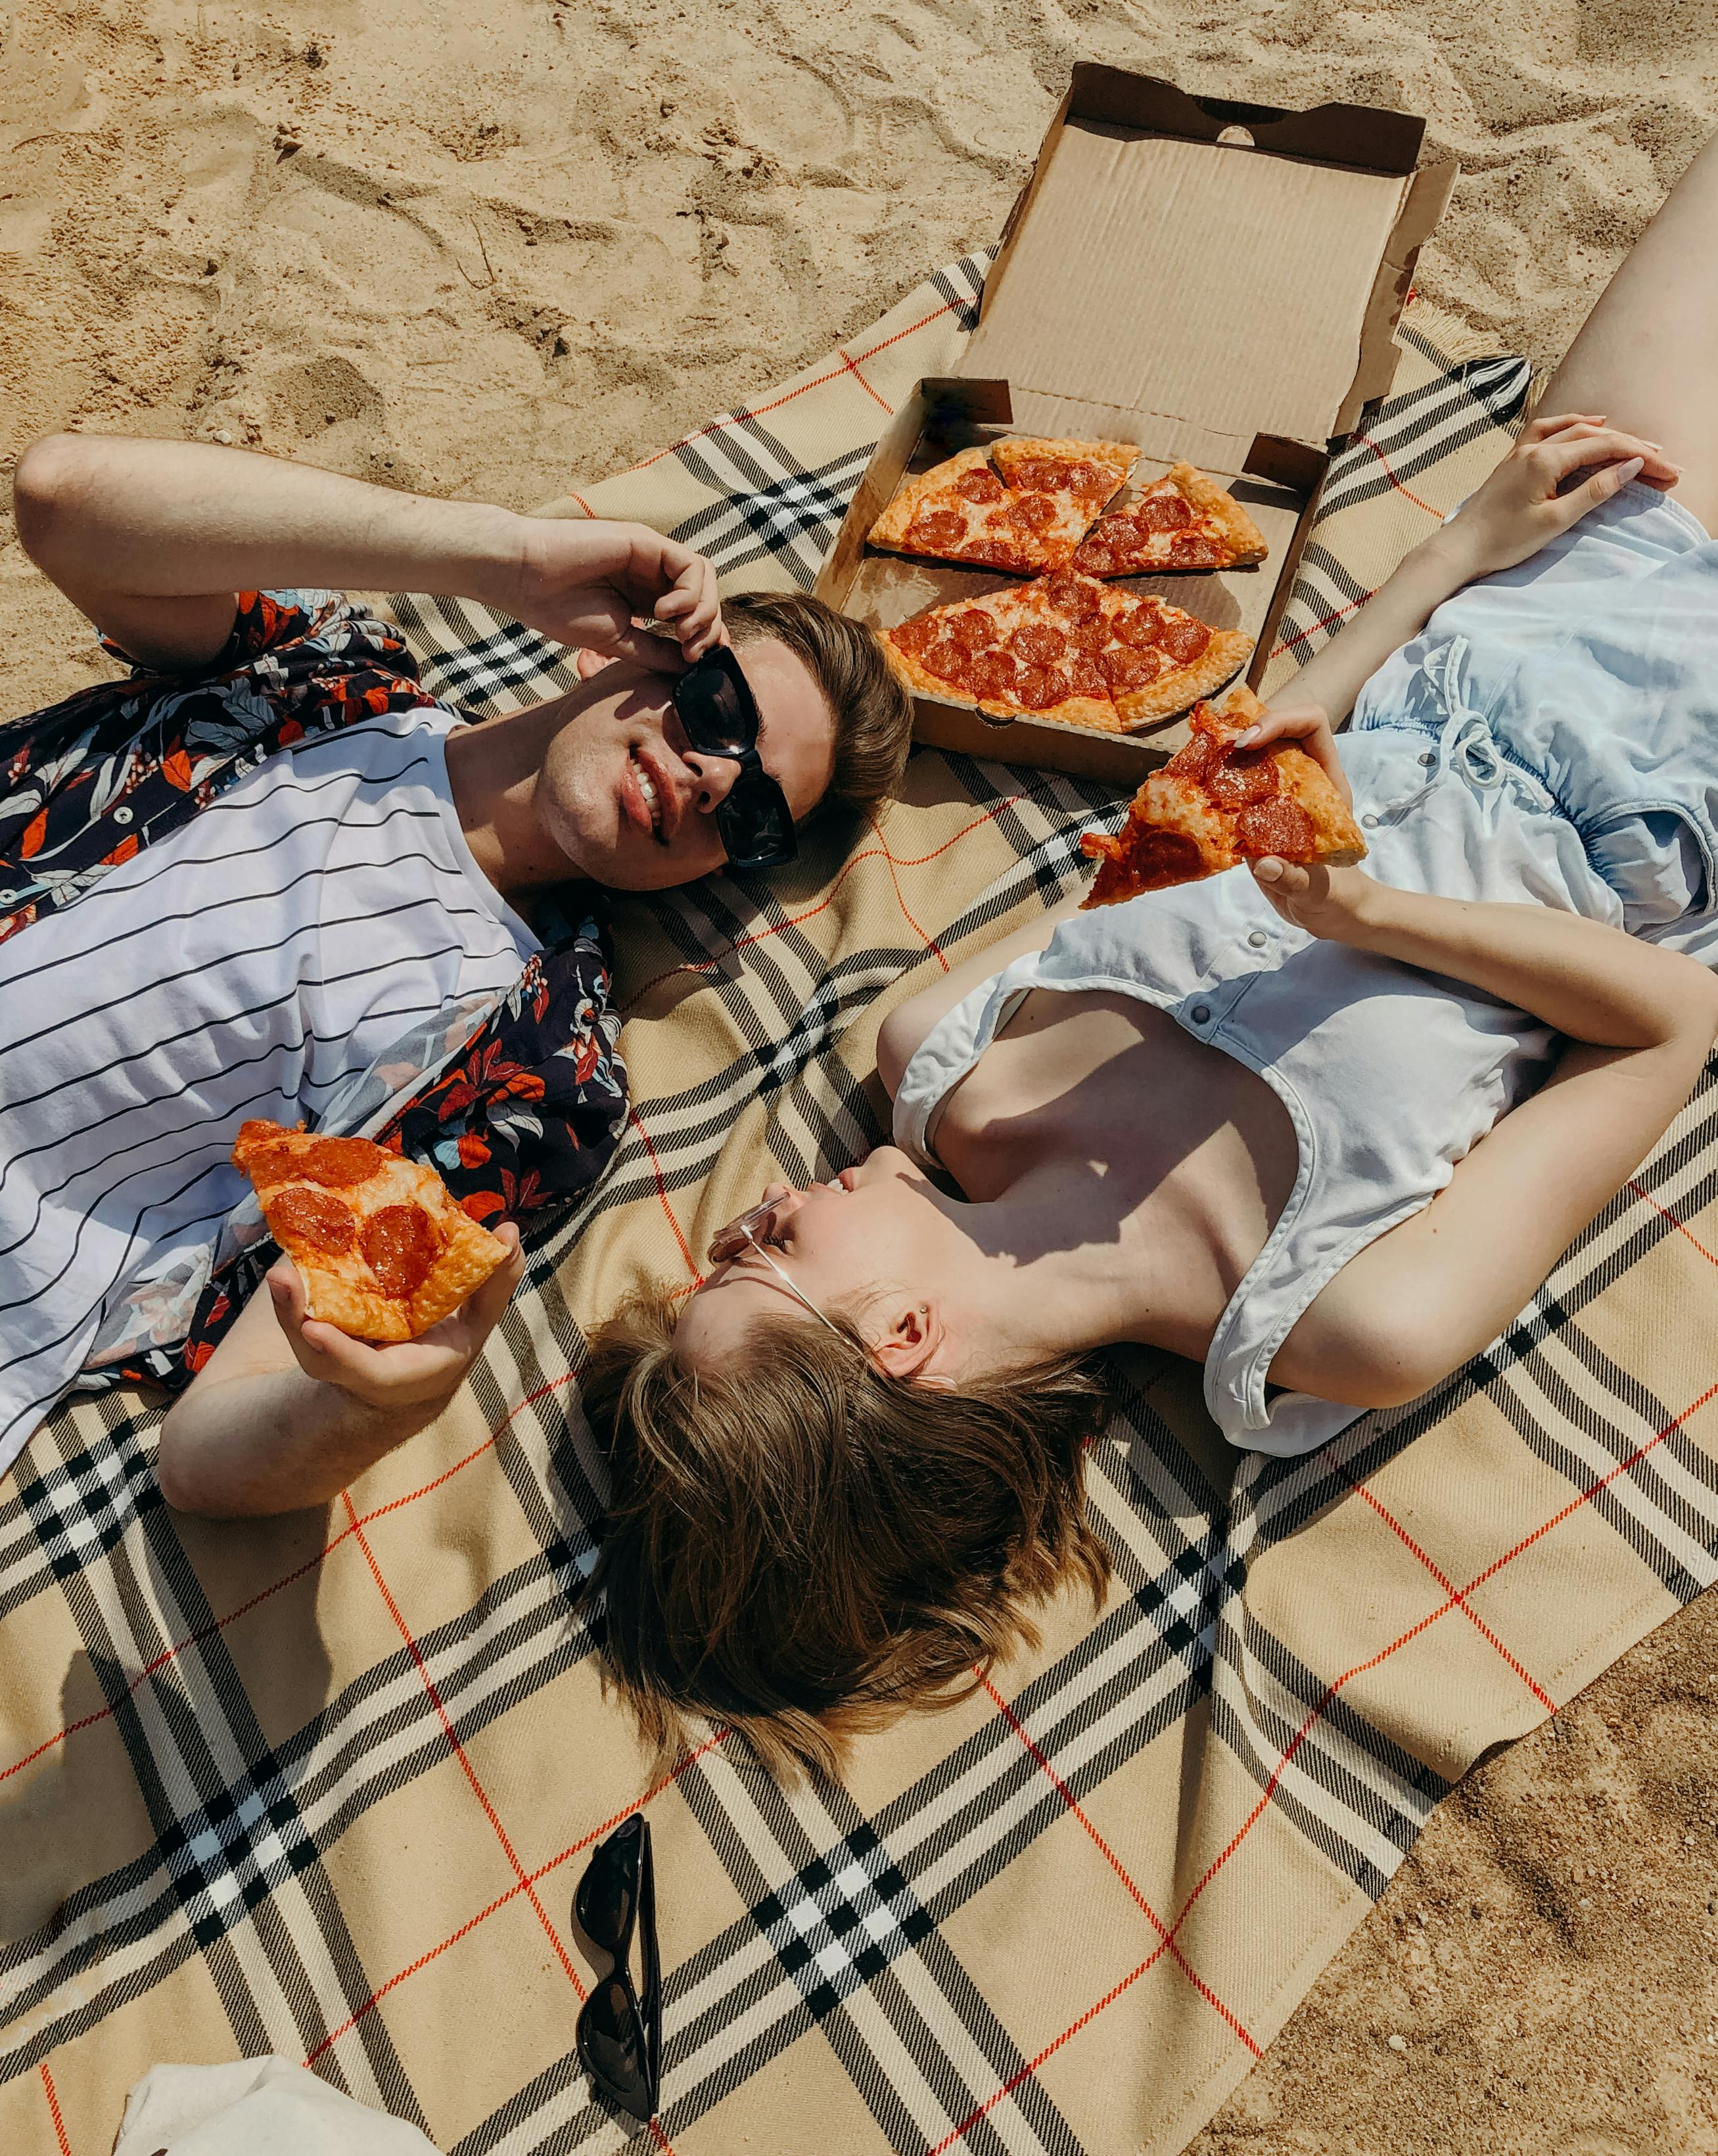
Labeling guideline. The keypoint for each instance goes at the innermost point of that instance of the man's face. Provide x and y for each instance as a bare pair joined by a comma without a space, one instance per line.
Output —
625,795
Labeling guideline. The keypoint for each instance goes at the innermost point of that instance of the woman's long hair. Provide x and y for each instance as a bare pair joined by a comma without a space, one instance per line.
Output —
801,1545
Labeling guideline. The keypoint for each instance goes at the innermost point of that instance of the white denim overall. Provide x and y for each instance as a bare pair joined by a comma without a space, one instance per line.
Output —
1575,765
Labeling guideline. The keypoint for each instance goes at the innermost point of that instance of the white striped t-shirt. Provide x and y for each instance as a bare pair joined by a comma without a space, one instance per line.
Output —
283,937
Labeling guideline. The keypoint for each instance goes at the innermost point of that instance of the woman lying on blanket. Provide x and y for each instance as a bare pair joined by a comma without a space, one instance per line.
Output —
1325,1132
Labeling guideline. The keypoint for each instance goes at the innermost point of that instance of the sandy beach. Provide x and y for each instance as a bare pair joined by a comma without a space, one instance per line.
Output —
496,253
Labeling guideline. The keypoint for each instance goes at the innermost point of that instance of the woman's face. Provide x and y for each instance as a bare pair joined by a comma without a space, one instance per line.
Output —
876,1235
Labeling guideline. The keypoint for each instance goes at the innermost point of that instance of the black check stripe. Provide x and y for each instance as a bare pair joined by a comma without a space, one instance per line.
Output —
1407,436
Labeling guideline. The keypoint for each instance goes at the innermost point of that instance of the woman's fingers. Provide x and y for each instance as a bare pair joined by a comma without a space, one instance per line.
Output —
1308,724
1612,479
1553,423
1566,455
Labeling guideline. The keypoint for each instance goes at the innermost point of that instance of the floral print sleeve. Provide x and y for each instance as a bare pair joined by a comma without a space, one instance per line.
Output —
89,782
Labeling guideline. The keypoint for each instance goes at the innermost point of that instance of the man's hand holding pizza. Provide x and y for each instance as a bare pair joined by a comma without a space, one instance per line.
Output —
392,1376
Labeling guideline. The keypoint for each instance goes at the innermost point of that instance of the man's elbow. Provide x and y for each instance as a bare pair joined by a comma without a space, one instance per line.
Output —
181,1474
53,475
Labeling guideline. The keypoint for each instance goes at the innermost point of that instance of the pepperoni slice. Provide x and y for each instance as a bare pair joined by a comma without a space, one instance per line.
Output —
1089,635
934,529
272,1163
1141,625
976,631
996,552
981,483
1085,676
1243,779
1130,670
1196,758
1195,550
945,660
1082,479
992,673
336,1164
1038,643
1281,827
1157,858
916,635
1184,640
1039,687
1162,512
1095,556
309,1217
1045,475
1037,512
1073,596
400,1244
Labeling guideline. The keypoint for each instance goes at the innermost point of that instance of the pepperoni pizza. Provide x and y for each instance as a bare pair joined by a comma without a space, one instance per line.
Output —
383,1250
1184,520
1068,648
1029,519
1213,805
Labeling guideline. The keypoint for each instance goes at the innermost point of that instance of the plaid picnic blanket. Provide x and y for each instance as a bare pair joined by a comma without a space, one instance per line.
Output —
322,1785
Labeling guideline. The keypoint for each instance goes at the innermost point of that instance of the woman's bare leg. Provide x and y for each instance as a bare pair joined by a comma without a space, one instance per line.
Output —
1647,355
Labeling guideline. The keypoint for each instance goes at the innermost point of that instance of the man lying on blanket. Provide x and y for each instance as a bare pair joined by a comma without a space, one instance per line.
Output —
271,875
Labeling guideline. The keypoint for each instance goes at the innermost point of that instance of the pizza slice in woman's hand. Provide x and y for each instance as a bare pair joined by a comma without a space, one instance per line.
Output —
1213,806
383,1250
1183,521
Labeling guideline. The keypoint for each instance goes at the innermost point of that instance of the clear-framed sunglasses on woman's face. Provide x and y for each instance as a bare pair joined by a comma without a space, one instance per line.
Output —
727,1243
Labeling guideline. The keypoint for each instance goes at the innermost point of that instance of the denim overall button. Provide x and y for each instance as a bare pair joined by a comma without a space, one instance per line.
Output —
1370,820
1258,939
1429,759
1201,1012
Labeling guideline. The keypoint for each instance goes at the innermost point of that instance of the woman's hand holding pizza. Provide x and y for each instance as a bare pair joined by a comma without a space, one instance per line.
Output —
1533,494
588,583
401,1374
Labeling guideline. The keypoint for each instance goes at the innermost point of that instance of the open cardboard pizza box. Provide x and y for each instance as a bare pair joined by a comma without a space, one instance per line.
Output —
1213,281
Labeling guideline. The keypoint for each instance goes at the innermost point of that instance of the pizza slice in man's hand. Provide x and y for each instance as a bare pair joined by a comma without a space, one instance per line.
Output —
383,1250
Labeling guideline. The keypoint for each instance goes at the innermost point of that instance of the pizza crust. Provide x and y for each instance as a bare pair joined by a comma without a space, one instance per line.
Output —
340,1287
1227,652
890,529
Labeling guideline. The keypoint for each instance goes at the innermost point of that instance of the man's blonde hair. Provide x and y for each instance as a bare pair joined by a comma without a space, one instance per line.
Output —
800,1546
871,707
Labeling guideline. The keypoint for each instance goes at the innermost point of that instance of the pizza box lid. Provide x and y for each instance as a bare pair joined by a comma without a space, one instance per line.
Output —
1186,273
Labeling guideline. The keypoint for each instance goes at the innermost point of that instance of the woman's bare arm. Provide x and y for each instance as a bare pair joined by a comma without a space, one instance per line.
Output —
151,540
287,1411
1418,1303
1508,519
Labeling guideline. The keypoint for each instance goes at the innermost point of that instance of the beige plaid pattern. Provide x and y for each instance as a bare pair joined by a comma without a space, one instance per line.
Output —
323,1785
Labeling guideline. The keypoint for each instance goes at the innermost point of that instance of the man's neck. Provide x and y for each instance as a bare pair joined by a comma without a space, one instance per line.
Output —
492,770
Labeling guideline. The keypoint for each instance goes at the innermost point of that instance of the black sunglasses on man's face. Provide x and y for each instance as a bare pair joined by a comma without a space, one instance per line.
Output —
716,708
620,2036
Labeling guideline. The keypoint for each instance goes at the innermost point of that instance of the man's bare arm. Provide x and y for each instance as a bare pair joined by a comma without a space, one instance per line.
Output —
288,1411
151,540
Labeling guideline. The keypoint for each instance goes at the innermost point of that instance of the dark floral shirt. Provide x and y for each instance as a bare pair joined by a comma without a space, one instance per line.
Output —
525,1113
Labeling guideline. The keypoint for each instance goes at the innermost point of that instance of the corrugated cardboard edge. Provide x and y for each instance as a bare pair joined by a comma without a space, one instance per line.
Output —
1427,198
